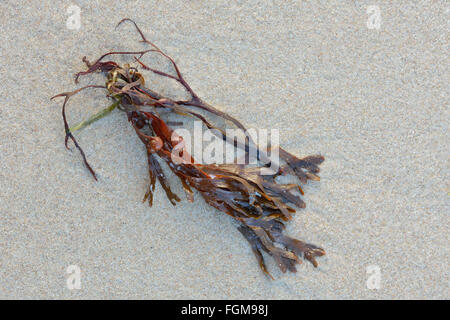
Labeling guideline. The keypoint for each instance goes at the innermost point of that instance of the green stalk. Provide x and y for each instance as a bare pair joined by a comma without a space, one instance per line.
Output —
95,117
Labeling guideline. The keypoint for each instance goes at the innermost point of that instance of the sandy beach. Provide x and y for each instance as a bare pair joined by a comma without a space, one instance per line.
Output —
367,92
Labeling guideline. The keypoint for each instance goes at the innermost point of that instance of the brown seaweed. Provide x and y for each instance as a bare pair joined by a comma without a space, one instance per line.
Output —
259,203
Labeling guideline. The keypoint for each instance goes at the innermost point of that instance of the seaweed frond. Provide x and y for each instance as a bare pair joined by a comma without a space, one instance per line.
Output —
257,201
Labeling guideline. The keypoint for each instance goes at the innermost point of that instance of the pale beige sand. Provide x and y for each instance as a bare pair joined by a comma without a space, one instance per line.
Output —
373,102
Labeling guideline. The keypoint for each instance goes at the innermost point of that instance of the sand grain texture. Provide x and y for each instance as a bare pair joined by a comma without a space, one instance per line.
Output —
373,102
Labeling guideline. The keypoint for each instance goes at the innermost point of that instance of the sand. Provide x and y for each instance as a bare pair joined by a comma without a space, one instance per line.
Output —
374,102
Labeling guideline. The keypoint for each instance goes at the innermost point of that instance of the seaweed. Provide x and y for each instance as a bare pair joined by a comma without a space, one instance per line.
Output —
256,201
